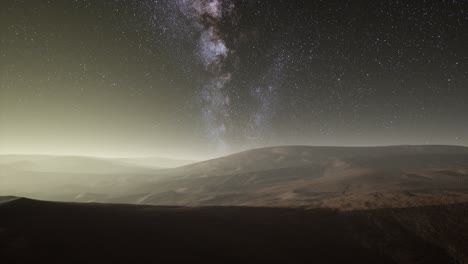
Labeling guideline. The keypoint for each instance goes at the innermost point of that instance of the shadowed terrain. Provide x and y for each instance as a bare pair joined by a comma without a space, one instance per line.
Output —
47,232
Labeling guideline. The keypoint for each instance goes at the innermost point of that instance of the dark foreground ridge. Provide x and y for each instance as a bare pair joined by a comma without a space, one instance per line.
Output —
45,232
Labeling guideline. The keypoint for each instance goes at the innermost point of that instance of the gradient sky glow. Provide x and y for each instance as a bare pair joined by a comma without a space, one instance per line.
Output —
200,78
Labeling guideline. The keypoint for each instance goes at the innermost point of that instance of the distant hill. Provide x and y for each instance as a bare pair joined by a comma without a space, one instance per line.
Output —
68,164
84,164
156,162
64,177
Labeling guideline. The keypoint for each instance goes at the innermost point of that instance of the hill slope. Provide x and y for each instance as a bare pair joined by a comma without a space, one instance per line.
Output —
346,178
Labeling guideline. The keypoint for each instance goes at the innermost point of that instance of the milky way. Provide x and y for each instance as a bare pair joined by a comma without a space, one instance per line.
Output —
159,76
306,67
265,97
205,18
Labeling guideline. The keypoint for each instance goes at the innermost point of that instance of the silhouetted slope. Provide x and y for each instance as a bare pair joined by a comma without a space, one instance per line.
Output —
33,231
7,199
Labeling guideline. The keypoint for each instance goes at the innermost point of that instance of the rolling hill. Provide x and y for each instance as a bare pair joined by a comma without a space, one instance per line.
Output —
346,178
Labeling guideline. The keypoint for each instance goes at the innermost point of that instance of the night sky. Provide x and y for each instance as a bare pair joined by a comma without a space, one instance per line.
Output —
201,78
